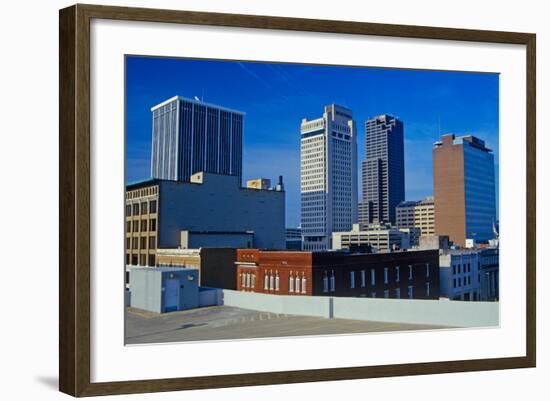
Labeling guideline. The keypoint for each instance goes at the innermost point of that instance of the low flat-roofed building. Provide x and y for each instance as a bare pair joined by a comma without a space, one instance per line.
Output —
210,211
418,214
407,274
216,266
381,237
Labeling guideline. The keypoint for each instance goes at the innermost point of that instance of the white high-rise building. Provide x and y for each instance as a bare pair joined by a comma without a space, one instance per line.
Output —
328,153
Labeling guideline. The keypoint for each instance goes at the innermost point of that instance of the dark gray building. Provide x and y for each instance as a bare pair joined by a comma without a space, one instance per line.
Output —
383,170
191,136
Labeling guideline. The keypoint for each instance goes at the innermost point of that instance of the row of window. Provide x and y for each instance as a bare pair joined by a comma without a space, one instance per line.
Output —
363,277
132,243
136,209
135,226
296,283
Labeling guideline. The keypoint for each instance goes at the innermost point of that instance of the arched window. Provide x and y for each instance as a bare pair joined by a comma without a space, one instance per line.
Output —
332,281
247,280
266,281
271,280
297,280
303,283
253,283
243,280
291,283
276,281
325,282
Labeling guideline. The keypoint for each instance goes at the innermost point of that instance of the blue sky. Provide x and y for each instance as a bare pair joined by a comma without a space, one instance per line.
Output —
275,98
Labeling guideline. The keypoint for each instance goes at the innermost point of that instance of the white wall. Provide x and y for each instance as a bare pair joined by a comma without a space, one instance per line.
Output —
28,79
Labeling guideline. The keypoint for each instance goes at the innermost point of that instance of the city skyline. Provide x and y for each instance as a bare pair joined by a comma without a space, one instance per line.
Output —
276,97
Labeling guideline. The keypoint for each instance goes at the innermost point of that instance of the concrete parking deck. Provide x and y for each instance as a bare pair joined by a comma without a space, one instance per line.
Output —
226,322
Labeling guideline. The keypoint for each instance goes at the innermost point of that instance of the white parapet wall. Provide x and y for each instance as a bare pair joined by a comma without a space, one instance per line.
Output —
419,311
282,304
430,312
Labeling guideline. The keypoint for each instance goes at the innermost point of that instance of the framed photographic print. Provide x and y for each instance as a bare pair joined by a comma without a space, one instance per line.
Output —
310,199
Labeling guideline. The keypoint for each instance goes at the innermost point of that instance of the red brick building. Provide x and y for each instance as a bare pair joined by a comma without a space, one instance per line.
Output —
408,274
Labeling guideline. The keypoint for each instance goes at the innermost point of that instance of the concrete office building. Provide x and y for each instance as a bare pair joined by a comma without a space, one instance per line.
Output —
190,136
464,189
408,275
209,211
419,214
382,238
328,176
383,170
458,270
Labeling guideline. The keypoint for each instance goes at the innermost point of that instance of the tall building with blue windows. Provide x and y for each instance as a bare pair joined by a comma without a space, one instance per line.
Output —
464,189
328,176
191,136
383,170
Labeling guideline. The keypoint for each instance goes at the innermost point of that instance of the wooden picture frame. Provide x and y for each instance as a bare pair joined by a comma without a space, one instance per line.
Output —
74,199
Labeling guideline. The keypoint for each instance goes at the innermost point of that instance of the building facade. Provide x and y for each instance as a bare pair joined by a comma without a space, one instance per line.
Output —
383,170
417,214
293,238
408,275
459,272
464,189
190,136
489,274
382,238
216,266
328,176
209,211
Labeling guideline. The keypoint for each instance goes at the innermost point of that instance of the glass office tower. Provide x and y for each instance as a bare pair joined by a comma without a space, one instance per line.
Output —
190,136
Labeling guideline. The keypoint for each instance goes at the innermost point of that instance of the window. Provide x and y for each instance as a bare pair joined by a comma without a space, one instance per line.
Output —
332,281
410,291
128,210
297,281
153,206
454,269
143,207
247,280
352,279
152,242
373,294
266,281
372,277
128,226
454,282
325,282
363,279
428,289
398,293
136,209
458,269
386,279
135,227
303,283
276,281
291,283
397,274
153,225
243,280
253,281
143,225
386,293
128,243
134,245
410,272
143,242
460,282
427,270
271,281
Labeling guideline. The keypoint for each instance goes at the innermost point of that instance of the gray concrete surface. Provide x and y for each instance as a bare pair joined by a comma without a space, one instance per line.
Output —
225,322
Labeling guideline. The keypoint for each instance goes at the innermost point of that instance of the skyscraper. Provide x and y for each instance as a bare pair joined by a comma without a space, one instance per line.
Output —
383,170
464,188
328,186
190,136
